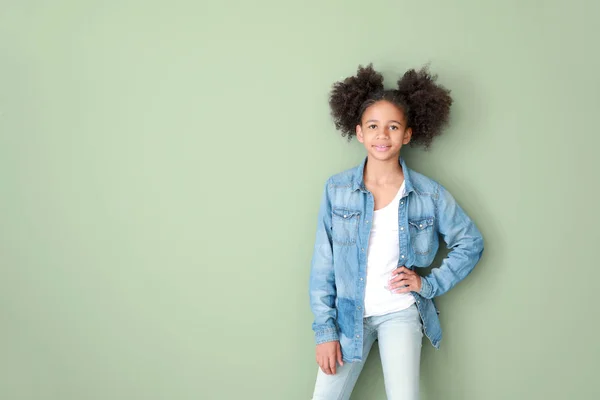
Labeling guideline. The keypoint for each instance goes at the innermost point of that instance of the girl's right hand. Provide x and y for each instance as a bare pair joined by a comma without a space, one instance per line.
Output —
328,354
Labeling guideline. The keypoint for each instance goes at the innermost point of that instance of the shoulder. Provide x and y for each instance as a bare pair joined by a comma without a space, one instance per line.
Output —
424,185
428,187
342,179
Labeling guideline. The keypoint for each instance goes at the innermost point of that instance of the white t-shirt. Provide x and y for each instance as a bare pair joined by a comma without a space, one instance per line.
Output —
382,259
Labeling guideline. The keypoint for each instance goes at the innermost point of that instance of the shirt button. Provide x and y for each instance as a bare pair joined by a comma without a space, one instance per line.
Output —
366,222
358,308
361,279
420,225
401,228
402,256
363,249
357,336
401,202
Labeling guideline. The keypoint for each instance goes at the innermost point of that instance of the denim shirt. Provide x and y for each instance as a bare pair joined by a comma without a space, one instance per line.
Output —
339,262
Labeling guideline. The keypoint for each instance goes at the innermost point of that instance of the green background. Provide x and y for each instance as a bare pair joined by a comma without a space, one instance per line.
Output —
161,165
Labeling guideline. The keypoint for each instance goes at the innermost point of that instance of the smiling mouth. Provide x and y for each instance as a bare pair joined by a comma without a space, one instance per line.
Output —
381,147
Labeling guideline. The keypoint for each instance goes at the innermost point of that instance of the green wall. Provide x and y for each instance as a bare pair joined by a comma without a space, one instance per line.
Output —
160,171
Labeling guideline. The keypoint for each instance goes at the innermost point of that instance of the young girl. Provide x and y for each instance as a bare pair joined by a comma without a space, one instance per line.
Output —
377,223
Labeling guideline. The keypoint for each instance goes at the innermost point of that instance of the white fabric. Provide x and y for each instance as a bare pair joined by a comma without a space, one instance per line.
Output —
382,259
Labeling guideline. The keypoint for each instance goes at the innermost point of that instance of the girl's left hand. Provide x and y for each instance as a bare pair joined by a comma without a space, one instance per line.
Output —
402,277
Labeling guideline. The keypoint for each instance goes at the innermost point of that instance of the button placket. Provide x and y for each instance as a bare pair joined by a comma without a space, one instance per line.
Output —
402,232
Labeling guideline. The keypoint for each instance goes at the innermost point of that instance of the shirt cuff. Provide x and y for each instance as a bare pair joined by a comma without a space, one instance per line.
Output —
426,288
326,335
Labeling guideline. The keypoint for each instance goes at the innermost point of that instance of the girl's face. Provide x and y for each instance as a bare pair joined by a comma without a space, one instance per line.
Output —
383,131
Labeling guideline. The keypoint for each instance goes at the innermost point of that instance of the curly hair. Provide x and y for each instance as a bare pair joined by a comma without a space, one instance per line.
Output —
425,104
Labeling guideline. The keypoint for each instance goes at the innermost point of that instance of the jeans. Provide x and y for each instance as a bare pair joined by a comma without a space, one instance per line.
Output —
400,338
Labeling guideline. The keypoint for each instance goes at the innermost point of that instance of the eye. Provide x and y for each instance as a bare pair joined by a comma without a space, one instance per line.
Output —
394,128
372,126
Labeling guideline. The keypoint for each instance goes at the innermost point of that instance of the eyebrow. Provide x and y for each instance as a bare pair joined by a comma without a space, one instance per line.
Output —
375,120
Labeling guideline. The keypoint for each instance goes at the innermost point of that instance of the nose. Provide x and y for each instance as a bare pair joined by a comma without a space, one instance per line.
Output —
384,133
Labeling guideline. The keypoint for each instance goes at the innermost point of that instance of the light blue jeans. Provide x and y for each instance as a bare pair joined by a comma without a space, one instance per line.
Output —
400,337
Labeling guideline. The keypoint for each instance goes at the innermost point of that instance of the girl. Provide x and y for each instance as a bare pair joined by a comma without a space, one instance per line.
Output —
377,223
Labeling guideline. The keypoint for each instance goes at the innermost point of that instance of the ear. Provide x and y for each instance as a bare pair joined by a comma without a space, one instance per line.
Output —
407,136
359,134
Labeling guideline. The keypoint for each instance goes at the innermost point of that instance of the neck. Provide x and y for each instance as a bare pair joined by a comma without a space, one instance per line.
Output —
383,172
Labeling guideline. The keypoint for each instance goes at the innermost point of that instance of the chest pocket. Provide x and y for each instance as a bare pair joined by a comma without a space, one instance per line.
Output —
344,225
421,235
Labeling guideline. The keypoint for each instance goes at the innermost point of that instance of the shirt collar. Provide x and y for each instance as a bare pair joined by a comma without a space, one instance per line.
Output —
358,180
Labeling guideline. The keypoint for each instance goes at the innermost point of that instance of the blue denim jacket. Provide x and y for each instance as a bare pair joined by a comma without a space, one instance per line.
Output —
339,261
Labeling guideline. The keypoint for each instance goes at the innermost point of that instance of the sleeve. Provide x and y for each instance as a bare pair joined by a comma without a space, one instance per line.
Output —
462,238
322,288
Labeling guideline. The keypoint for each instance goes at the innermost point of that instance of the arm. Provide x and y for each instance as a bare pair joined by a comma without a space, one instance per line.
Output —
322,280
462,237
